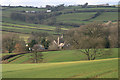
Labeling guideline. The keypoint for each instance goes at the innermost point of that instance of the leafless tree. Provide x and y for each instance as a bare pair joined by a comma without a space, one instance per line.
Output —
89,39
9,41
36,55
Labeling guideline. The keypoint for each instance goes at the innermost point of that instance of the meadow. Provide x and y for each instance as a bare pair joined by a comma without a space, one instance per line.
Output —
79,18
62,64
74,17
61,56
107,16
104,68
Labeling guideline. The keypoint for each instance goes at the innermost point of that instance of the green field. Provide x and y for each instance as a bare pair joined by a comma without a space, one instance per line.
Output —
3,54
57,64
106,68
75,17
82,9
26,9
107,16
28,28
78,18
64,56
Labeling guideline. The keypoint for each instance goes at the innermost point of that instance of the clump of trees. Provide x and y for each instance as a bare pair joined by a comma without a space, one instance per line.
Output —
85,5
36,18
39,38
55,8
45,43
91,39
36,56
12,42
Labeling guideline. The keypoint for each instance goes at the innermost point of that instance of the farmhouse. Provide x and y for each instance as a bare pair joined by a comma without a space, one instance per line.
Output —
48,11
30,11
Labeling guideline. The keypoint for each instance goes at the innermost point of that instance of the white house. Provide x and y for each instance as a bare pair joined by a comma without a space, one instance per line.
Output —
48,11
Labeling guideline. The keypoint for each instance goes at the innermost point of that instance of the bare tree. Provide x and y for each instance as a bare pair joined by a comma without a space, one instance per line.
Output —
36,56
113,37
9,41
90,39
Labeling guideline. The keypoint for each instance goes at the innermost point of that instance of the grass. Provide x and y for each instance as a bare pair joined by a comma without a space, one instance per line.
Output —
4,54
22,59
78,18
64,56
74,17
11,59
84,9
42,27
79,7
24,30
22,27
26,9
107,16
107,68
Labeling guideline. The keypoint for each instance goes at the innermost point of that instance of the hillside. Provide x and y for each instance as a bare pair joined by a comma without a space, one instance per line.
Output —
69,17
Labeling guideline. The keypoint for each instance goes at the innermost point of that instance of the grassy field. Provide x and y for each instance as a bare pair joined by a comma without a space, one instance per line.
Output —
26,9
107,16
74,17
40,27
106,68
82,9
22,27
3,54
64,56
78,18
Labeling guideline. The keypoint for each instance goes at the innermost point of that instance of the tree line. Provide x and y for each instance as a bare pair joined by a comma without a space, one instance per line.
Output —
36,18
